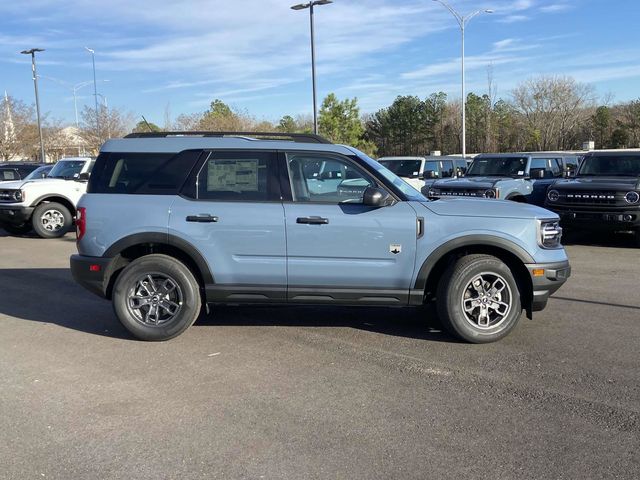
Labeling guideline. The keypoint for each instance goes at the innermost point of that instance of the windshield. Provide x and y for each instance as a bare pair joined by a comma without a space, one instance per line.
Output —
66,168
611,166
407,190
403,168
40,172
498,167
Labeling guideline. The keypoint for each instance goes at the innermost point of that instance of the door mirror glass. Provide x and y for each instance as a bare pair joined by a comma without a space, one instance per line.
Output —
429,174
376,197
82,177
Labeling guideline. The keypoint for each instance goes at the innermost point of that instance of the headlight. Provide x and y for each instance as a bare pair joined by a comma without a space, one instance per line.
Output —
490,193
553,195
550,233
18,196
632,197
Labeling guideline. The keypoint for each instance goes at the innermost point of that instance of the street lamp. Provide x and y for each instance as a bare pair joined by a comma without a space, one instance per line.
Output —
462,22
74,89
303,6
95,89
32,52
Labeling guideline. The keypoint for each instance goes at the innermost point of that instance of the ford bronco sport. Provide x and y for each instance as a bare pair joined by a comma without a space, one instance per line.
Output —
421,171
174,221
605,193
46,205
521,177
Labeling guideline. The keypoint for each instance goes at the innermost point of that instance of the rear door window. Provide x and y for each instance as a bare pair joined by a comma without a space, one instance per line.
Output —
237,176
8,174
447,168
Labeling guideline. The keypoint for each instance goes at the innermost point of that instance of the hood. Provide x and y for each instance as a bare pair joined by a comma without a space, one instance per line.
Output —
480,207
468,182
604,183
17,184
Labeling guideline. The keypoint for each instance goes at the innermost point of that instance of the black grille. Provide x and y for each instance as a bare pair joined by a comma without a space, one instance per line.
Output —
459,193
582,197
7,195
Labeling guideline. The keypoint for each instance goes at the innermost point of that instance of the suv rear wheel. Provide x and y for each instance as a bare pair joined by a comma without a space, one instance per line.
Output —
156,297
51,220
478,299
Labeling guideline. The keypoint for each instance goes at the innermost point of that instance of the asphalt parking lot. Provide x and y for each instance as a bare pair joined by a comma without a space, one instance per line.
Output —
318,392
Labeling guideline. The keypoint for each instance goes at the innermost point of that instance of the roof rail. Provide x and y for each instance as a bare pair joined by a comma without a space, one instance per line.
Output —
295,137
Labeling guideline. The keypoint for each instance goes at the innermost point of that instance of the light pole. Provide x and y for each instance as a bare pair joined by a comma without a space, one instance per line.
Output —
462,22
106,111
32,52
95,90
74,88
303,6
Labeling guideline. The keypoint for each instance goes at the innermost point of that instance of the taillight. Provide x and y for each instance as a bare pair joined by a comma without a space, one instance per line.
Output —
81,223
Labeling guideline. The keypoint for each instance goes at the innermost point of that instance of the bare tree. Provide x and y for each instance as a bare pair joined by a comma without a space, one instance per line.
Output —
553,108
18,133
113,123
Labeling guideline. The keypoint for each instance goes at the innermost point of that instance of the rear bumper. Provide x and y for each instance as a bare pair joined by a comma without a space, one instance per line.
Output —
93,273
546,279
16,215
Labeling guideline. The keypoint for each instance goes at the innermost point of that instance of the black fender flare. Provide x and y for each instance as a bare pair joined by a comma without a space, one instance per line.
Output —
478,240
46,197
165,239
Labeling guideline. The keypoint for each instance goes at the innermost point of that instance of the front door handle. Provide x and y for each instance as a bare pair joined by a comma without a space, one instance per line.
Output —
202,218
312,220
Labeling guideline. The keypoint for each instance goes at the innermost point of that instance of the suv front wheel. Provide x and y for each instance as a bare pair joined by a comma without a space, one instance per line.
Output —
478,299
51,220
156,297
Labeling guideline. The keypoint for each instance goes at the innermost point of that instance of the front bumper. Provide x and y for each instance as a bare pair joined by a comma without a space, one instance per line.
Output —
595,218
546,279
93,273
15,214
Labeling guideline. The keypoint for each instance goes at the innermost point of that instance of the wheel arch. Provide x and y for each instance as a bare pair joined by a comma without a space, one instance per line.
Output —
137,245
61,199
510,253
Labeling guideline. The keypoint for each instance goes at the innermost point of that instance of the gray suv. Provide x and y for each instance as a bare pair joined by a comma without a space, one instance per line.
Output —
521,177
172,222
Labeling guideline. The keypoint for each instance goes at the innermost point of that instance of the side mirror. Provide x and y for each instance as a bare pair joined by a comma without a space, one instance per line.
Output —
429,174
568,173
83,177
537,174
43,175
376,197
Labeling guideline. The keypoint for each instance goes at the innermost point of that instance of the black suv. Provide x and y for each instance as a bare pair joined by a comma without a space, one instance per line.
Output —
16,170
605,194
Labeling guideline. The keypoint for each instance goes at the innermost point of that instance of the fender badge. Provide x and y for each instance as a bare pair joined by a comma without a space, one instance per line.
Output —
395,248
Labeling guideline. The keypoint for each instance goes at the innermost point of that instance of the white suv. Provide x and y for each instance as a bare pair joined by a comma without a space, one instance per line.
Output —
46,205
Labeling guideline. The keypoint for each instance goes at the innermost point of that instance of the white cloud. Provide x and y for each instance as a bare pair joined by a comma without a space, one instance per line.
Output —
556,7
513,18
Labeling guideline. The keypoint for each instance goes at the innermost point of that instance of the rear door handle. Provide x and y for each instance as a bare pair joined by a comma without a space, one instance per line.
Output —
202,218
312,220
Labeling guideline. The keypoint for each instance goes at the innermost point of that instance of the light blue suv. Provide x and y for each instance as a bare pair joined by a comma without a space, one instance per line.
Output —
173,221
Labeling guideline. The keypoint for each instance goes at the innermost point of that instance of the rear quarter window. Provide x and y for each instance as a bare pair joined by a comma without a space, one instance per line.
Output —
141,173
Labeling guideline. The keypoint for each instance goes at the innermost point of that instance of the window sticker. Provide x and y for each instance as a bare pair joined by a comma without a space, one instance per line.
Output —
232,175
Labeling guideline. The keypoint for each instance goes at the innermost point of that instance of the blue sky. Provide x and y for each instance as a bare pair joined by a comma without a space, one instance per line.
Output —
254,54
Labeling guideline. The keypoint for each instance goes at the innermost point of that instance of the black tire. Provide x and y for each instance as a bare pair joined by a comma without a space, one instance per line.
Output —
51,220
137,316
456,289
636,238
13,229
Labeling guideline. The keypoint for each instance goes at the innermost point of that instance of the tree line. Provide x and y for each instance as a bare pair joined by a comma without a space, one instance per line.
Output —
542,113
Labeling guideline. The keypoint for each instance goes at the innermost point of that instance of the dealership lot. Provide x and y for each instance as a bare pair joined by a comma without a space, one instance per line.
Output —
265,392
